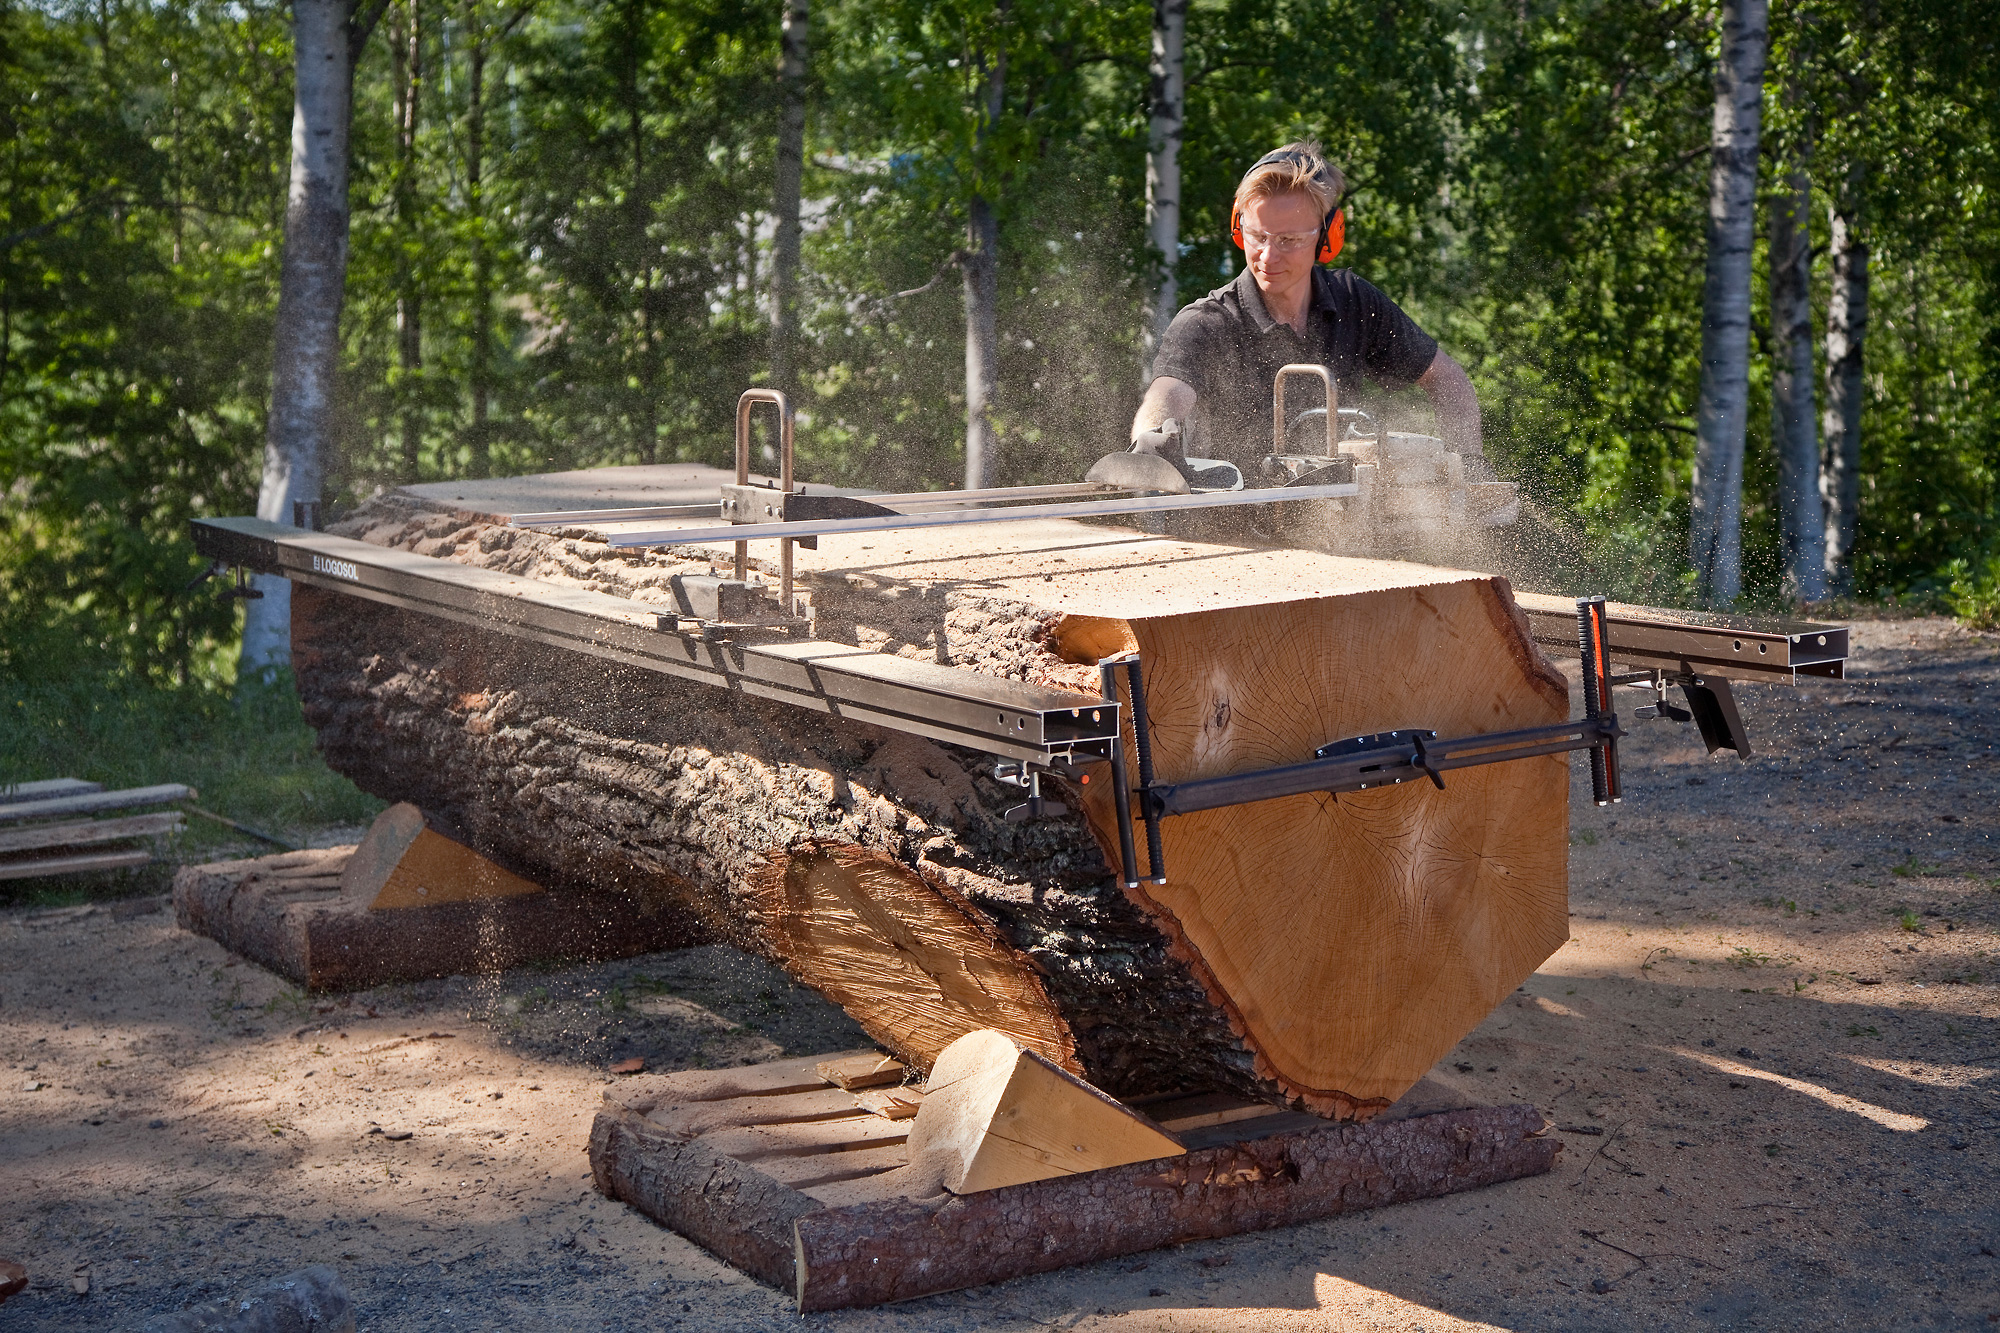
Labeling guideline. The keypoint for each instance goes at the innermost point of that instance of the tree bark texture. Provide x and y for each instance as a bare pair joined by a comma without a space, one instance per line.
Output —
479,431
1314,952
871,1253
1163,164
1846,333
785,206
1794,425
311,286
1721,415
981,269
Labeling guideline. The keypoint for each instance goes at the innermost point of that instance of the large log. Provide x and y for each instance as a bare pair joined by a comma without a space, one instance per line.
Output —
1316,951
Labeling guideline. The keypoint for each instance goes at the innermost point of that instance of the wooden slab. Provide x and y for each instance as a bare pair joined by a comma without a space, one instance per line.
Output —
87,803
868,1070
84,832
74,865
46,789
832,1211
290,913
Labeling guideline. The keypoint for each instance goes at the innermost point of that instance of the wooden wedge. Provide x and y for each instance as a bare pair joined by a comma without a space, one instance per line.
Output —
404,863
997,1113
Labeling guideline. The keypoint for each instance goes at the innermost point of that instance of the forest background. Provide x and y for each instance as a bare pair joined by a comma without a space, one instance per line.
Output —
562,249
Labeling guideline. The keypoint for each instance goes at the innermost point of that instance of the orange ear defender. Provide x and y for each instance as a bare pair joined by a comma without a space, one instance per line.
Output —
1329,243
1333,233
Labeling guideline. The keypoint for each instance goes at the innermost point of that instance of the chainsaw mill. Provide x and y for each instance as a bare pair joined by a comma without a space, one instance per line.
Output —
1127,779
1336,483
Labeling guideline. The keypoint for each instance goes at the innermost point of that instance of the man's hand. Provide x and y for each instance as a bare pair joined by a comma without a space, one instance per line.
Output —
1167,399
1163,441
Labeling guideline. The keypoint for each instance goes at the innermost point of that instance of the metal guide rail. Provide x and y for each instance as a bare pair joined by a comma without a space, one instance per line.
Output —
1001,717
716,634
1699,642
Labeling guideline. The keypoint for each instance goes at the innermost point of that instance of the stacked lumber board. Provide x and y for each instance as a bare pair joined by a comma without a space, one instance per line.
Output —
51,827
779,1171
1313,951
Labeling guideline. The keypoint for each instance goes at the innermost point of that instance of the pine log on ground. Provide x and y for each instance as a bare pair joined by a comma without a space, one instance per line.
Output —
1313,951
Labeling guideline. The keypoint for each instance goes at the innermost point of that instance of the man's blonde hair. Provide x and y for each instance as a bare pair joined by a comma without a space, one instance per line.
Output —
1301,169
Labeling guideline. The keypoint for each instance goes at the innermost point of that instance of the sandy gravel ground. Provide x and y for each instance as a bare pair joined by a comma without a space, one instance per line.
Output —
1770,1048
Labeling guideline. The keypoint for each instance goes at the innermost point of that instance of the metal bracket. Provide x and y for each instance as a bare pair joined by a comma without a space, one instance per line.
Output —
215,569
1713,704
1037,806
1594,645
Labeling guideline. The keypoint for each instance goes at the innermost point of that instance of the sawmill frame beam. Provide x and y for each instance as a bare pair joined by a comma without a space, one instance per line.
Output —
1000,717
1697,643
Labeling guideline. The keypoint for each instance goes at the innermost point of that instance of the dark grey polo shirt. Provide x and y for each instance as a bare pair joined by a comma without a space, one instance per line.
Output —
1228,348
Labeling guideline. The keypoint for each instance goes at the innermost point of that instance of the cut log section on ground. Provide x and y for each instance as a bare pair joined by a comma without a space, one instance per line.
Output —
1314,951
775,1171
345,918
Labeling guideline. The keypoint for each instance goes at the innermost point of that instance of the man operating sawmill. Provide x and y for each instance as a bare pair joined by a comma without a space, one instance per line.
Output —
1211,390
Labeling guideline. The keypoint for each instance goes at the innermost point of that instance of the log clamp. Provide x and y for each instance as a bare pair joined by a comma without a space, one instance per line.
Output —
1389,758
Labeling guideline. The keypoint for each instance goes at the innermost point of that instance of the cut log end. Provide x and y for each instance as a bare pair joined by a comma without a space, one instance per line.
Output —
915,963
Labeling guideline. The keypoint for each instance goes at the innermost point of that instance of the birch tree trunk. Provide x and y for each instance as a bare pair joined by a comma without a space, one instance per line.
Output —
1793,426
409,50
311,282
1715,530
1846,327
982,299
480,369
1163,164
791,171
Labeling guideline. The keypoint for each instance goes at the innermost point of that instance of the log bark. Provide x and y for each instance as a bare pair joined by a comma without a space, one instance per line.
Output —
1309,951
871,1253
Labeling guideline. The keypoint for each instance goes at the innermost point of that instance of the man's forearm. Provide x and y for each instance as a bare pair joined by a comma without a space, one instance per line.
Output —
1166,398
1456,403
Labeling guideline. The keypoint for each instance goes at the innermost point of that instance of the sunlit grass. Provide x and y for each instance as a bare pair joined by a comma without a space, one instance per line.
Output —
248,752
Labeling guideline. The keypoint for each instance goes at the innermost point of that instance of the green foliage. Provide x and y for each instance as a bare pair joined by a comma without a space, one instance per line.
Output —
137,201
1974,591
248,751
566,260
